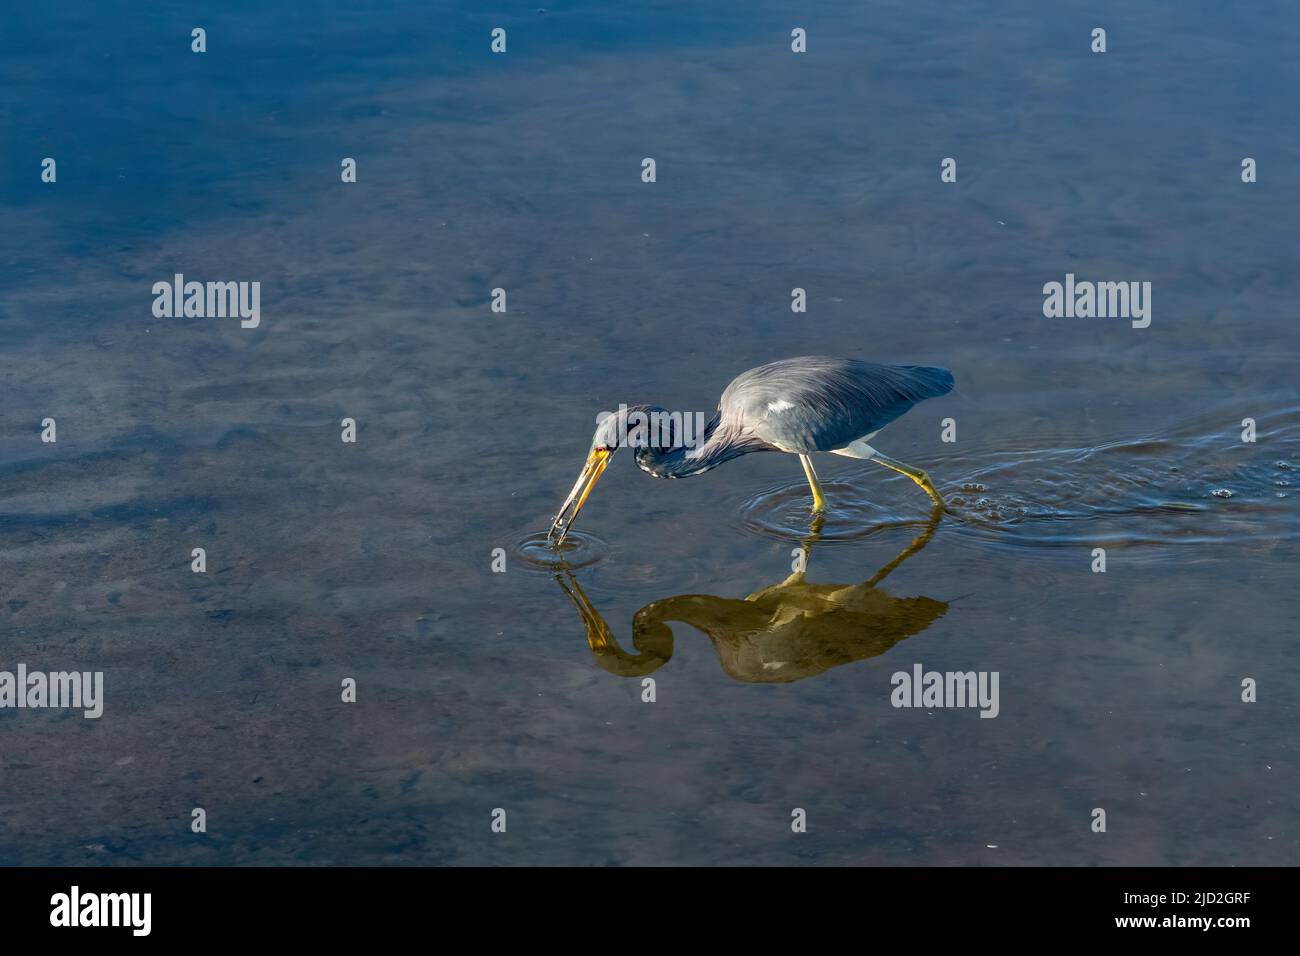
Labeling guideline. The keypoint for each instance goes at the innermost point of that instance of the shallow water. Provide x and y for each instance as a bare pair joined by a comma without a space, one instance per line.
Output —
523,689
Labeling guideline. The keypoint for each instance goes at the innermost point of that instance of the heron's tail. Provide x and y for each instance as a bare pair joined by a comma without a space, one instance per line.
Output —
926,381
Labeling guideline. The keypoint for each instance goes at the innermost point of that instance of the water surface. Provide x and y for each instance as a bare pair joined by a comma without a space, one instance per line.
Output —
374,561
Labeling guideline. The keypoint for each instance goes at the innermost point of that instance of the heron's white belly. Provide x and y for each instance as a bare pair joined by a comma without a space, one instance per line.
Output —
857,448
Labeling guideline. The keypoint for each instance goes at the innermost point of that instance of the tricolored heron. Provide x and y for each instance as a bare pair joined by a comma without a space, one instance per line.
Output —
798,406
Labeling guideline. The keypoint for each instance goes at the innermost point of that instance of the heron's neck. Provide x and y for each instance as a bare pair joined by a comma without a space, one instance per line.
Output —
681,461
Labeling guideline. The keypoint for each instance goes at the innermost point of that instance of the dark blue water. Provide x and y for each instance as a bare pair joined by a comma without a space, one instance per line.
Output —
523,690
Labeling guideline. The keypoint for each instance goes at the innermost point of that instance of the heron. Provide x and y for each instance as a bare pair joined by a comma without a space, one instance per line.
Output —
799,406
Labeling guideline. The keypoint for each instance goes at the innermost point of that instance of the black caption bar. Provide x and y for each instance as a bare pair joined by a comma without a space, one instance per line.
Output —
335,905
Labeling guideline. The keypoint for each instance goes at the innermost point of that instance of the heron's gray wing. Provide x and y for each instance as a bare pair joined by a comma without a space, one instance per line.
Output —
816,403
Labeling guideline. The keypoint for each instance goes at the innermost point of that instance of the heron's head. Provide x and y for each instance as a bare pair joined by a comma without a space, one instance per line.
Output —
630,426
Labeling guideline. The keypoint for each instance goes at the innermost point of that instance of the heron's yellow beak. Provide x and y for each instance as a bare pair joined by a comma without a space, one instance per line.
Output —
591,472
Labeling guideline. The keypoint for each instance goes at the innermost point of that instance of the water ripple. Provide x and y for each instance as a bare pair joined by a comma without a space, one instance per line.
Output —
579,550
1187,486
786,512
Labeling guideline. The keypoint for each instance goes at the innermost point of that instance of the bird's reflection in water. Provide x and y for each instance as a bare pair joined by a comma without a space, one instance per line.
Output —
783,633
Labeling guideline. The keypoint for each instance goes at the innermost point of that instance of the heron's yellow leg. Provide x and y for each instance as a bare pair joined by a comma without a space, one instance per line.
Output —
819,500
916,474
